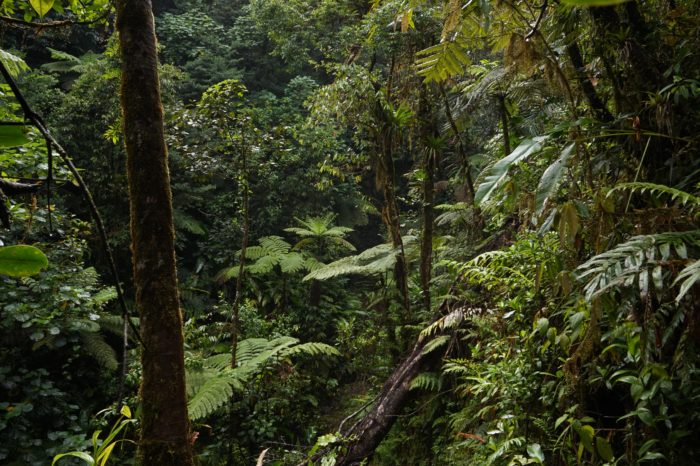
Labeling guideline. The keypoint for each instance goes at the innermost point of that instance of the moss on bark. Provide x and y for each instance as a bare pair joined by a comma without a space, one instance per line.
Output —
165,430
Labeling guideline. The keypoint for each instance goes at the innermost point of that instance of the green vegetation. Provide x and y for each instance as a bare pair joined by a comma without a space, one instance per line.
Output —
407,232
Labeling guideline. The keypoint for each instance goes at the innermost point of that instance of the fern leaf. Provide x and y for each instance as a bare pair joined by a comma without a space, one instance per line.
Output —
13,63
630,262
104,295
187,223
311,349
436,343
292,263
427,381
444,60
676,194
688,277
97,348
213,394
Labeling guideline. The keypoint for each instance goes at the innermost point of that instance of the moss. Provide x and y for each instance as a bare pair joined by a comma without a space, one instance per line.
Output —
165,432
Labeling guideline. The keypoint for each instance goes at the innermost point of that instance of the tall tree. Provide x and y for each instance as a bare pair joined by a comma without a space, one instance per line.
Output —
165,432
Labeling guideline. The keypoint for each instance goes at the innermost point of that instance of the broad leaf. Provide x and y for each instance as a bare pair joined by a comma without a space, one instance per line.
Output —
21,261
551,178
11,136
494,175
78,454
42,6
604,449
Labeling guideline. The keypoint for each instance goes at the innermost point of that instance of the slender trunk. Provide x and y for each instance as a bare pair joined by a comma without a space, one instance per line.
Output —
393,223
165,430
426,247
235,321
504,123
429,139
460,145
599,109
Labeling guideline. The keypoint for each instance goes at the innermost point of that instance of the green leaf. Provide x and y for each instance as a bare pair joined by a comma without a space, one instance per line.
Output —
78,454
126,412
495,175
21,261
593,3
11,136
551,178
42,6
604,449
13,63
534,450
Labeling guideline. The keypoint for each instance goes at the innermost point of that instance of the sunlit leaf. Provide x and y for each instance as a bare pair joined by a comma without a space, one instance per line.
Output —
21,261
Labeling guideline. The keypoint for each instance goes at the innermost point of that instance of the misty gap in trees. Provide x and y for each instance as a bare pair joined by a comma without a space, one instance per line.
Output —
344,232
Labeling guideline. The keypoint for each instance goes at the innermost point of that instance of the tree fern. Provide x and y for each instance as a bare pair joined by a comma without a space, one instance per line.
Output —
376,260
311,349
211,381
272,252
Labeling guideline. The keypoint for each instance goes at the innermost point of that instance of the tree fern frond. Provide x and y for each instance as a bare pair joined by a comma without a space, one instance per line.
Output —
274,244
683,197
255,252
97,348
212,394
310,349
104,296
292,263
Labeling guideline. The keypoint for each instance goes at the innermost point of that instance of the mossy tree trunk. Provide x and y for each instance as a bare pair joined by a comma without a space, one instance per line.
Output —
165,431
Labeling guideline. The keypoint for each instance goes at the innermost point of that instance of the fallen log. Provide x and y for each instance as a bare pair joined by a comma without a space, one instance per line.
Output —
367,433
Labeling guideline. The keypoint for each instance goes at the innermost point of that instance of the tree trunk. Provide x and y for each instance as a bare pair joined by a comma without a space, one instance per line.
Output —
165,431
369,432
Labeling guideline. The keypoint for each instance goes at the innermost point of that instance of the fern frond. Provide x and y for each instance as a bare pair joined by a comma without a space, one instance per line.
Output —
632,261
688,277
682,197
104,296
436,343
213,394
444,60
311,349
97,348
292,263
451,320
274,244
187,223
428,381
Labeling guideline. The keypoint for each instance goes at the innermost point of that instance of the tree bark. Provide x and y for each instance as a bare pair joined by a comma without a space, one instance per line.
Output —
165,431
599,109
369,432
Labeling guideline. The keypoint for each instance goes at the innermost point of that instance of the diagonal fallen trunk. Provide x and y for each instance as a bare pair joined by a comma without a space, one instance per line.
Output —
369,432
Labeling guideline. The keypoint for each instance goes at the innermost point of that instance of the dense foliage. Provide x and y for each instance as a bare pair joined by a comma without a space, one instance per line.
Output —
513,187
